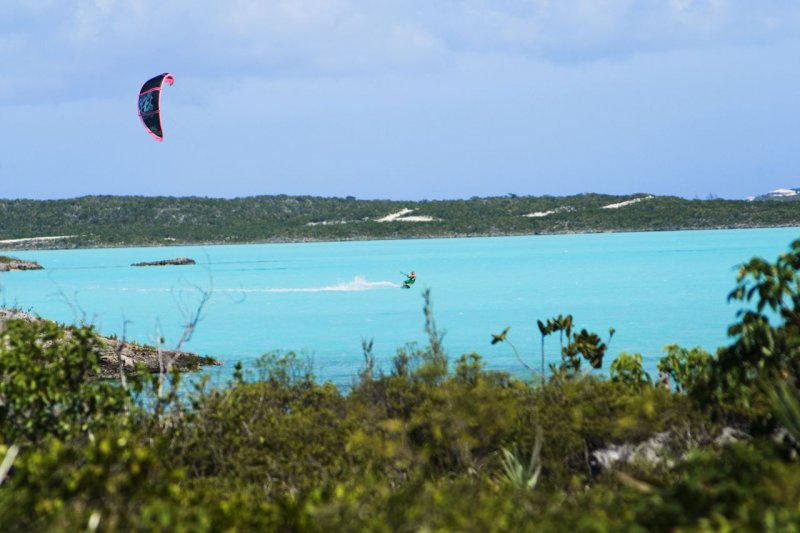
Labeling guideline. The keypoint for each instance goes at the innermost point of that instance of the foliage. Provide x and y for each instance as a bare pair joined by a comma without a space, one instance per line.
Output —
627,369
136,220
766,345
519,474
740,487
111,479
561,324
580,345
785,403
686,369
587,345
760,348
46,385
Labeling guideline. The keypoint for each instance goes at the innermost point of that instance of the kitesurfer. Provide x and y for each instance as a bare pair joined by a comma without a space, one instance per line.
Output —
410,279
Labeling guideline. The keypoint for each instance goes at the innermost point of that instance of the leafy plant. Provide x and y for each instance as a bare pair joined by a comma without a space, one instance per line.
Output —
48,382
687,369
627,369
588,346
561,324
785,402
766,343
523,475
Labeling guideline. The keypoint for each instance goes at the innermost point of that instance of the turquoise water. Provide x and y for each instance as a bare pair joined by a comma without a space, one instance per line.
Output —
323,298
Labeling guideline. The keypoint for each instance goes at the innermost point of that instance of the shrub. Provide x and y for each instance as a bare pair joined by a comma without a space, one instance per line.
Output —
48,385
627,369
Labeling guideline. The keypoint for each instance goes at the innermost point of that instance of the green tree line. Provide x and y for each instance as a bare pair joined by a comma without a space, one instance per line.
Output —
138,220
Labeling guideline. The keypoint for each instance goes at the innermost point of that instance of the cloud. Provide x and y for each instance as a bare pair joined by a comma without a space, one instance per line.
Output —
116,43
587,30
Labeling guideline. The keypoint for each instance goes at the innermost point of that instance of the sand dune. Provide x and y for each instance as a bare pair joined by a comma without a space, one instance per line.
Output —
626,202
400,216
36,239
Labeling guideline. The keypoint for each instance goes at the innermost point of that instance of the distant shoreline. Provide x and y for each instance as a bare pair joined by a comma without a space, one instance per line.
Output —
94,222
360,238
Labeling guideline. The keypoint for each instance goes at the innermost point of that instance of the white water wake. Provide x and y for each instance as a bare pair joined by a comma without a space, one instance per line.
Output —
358,283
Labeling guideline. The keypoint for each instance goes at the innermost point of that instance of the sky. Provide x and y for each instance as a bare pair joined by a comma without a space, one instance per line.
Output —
401,99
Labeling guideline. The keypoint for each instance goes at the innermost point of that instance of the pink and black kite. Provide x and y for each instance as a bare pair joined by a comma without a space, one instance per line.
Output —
149,104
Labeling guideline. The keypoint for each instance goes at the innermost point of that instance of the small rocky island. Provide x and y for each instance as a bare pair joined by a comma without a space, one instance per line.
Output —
12,263
113,350
176,261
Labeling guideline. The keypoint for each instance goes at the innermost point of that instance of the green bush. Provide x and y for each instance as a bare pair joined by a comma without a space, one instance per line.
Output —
47,385
108,478
627,369
766,346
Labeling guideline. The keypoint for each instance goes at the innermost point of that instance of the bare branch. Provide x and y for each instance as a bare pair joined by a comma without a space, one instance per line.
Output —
120,348
519,358
194,317
434,336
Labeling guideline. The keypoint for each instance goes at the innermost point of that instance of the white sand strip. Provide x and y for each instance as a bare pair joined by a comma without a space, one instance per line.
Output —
627,202
395,216
417,218
400,217
36,239
538,214
541,213
327,223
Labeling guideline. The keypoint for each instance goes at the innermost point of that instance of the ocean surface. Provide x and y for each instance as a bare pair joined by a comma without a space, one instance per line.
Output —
322,299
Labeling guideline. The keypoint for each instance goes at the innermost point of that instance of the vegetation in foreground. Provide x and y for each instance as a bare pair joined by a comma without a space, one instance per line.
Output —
137,220
425,445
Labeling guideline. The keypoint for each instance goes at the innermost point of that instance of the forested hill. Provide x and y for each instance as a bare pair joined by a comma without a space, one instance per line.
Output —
138,220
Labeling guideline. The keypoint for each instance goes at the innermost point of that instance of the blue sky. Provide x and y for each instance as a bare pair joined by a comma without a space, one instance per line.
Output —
401,99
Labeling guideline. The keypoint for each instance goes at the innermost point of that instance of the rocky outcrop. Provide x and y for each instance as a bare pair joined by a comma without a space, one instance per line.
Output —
133,354
666,448
13,314
176,261
8,264
130,353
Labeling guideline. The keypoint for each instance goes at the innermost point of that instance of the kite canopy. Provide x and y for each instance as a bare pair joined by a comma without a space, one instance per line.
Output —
150,104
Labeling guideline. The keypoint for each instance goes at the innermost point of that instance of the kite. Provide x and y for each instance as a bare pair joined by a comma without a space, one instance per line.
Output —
150,104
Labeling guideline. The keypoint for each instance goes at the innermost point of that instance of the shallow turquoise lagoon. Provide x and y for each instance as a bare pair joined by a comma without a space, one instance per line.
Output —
324,298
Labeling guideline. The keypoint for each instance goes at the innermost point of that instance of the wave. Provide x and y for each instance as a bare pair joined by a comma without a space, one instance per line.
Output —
358,283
